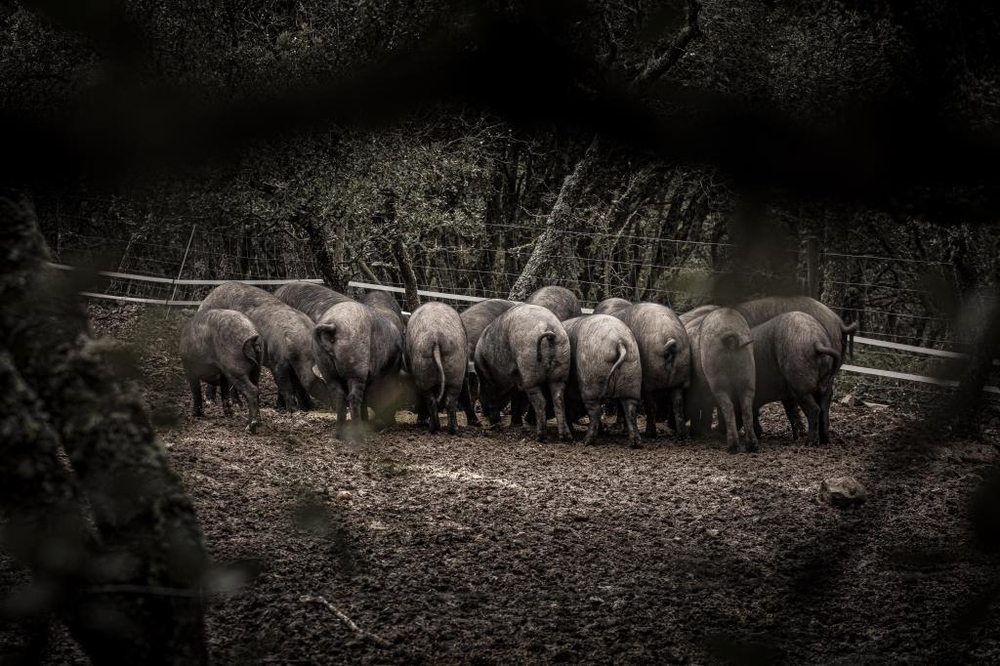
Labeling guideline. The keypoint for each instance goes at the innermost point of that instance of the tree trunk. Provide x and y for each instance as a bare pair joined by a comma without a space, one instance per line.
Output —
405,263
59,389
559,220
329,268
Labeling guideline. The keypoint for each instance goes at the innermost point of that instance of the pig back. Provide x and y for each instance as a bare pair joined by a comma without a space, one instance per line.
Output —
477,317
310,298
663,342
725,351
386,305
611,305
562,302
605,359
223,338
236,296
761,310
436,324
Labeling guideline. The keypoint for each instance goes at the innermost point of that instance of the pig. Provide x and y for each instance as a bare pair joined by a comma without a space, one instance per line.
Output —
696,314
286,335
665,352
310,298
795,364
840,335
723,374
611,305
524,350
560,300
357,350
604,365
386,304
759,310
222,347
435,354
475,319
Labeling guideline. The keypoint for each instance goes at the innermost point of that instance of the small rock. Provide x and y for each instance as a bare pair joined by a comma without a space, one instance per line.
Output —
843,491
345,495
849,400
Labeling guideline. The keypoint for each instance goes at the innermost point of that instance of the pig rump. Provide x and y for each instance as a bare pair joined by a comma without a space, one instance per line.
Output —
222,348
604,365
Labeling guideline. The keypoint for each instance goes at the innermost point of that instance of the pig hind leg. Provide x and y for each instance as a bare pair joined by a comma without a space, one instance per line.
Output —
594,411
465,402
197,408
750,420
792,412
649,406
537,399
451,405
243,386
225,392
629,407
286,388
813,415
558,393
677,403
434,420
727,416
824,401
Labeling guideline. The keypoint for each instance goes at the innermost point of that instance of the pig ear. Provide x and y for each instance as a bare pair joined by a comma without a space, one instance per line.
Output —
325,335
670,350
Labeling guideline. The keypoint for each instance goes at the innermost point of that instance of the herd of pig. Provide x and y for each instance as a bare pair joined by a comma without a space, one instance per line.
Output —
323,346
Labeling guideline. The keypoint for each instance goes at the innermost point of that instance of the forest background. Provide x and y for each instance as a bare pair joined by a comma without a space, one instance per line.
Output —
676,151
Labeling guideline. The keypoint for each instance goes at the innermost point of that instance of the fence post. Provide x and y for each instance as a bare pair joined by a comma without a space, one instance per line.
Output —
812,267
180,271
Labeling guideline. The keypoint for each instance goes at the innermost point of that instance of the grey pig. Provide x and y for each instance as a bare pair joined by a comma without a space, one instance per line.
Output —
560,300
666,359
795,364
386,305
611,305
310,298
357,350
723,374
286,335
435,354
604,365
525,349
759,310
476,318
222,347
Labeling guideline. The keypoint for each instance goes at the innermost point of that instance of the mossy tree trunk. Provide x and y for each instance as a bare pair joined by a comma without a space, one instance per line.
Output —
111,539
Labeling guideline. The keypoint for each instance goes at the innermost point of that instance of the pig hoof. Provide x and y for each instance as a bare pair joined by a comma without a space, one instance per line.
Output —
733,448
252,428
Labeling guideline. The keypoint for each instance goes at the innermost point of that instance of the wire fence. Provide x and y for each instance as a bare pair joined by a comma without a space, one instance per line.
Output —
906,342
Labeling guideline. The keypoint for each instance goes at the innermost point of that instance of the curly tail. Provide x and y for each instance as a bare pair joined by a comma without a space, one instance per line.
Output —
437,361
547,335
849,331
622,353
823,350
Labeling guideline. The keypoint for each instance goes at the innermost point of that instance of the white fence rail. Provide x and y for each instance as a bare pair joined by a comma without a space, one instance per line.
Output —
890,374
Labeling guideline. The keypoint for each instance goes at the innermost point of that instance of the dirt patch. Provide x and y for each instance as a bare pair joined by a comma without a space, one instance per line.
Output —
490,547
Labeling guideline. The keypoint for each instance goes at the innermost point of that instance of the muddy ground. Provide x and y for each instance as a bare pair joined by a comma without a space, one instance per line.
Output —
490,547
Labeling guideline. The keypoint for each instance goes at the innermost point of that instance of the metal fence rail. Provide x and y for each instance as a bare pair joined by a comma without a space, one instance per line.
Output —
862,340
